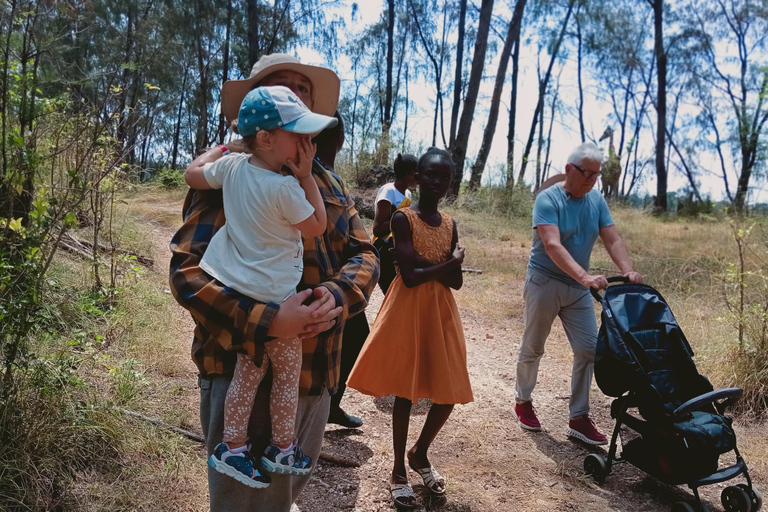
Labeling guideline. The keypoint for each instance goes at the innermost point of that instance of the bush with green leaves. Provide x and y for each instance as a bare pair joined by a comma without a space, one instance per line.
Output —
170,178
745,292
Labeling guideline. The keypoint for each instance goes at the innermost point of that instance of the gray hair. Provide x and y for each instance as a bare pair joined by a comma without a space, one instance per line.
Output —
585,151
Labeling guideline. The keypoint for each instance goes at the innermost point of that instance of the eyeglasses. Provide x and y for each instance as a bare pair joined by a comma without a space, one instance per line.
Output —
587,174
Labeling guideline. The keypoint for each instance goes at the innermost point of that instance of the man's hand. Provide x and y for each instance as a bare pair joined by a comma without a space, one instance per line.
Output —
634,277
303,168
305,321
599,282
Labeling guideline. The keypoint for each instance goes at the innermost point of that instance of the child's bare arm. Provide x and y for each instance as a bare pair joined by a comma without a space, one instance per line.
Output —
315,224
454,279
194,176
381,218
407,257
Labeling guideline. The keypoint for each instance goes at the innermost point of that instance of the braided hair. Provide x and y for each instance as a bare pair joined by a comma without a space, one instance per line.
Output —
405,164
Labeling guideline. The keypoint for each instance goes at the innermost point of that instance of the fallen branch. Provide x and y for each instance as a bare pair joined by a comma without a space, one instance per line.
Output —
186,433
84,248
472,270
339,461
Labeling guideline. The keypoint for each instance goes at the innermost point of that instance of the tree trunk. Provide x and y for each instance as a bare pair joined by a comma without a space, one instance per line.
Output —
457,76
539,147
549,132
459,148
253,32
513,34
405,123
578,71
225,70
513,112
542,92
438,71
177,132
201,137
382,157
660,203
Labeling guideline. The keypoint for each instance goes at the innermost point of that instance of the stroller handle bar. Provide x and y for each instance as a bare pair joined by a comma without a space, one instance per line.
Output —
612,279
729,395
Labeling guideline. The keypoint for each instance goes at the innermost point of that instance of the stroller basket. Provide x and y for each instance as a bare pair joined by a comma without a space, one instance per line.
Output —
644,360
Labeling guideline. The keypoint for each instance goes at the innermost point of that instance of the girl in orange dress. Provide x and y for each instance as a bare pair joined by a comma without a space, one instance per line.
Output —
416,348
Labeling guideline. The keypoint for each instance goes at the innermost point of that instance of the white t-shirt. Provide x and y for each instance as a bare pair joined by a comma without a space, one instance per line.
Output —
257,252
390,194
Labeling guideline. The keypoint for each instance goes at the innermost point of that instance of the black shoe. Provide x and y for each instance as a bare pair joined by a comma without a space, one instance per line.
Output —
339,417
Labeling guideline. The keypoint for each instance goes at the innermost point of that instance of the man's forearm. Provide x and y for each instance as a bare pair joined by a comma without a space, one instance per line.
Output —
565,262
616,248
620,256
353,284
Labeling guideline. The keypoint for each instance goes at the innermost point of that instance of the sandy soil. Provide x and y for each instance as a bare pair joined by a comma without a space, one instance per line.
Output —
490,463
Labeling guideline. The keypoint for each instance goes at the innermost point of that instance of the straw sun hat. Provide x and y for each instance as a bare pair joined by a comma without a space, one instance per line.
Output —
325,84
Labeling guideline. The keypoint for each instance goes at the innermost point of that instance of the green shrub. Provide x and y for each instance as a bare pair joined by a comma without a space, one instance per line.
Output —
170,178
515,204
51,429
745,285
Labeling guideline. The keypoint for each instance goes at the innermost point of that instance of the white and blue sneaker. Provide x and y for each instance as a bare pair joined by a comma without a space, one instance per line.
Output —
291,461
239,466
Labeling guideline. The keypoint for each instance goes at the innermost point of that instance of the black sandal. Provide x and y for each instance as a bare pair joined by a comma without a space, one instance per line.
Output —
401,492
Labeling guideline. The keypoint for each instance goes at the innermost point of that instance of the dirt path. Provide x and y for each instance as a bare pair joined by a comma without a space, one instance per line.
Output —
489,462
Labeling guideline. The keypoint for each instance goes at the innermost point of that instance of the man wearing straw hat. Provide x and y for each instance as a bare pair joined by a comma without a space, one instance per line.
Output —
340,272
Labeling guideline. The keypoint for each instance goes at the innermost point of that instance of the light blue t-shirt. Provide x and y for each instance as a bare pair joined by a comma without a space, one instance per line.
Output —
579,221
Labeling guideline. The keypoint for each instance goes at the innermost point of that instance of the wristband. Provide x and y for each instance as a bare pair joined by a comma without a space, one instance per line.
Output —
224,150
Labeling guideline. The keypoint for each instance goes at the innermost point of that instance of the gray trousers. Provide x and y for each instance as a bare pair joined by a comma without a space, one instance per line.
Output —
546,298
228,495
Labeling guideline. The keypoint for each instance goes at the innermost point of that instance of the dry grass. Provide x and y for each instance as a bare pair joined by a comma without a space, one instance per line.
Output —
679,258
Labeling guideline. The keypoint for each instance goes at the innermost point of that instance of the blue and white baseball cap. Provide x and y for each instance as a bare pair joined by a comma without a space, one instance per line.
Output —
266,108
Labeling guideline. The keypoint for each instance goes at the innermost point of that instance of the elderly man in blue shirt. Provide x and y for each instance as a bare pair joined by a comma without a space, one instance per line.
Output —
567,219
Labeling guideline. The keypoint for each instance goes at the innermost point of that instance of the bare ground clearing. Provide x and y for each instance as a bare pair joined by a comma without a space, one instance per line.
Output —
490,463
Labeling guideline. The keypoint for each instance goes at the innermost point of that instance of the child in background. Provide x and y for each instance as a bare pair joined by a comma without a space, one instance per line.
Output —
429,357
259,253
390,198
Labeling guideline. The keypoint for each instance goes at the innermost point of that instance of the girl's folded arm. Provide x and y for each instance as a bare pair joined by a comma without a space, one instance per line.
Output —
453,279
406,256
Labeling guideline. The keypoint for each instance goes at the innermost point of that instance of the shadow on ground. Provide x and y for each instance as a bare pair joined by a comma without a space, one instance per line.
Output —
386,403
652,494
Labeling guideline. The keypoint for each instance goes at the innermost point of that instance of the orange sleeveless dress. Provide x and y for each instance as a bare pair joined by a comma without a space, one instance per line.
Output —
416,347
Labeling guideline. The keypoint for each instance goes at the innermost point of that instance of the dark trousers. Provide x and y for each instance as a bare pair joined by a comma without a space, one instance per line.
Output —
355,331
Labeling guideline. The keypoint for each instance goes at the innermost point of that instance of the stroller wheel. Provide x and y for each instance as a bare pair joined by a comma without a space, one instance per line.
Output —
754,496
596,468
735,499
682,506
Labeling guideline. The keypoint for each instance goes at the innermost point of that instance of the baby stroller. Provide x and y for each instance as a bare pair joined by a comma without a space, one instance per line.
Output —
644,360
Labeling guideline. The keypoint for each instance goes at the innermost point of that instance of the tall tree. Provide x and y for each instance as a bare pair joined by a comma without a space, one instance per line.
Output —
513,111
732,98
543,83
459,148
436,55
579,40
386,123
616,43
513,34
660,203
457,79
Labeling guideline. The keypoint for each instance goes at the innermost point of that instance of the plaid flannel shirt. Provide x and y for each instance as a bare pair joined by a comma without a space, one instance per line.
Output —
226,322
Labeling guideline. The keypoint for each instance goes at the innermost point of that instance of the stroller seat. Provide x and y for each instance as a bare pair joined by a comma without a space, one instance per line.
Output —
645,361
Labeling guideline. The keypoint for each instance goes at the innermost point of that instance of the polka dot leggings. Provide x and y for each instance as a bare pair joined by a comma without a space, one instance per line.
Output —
285,356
